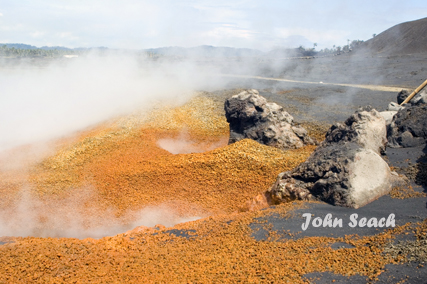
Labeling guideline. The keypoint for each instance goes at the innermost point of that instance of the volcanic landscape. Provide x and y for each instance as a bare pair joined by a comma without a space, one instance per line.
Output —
155,194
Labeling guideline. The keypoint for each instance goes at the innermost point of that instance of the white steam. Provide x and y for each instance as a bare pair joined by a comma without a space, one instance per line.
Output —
70,218
184,145
40,103
155,215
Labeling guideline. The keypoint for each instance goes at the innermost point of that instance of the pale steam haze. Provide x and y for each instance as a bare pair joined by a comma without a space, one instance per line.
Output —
67,218
37,104
184,145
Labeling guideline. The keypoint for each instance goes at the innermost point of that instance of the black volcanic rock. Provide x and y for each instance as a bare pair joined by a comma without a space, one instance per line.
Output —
409,127
401,96
345,170
251,116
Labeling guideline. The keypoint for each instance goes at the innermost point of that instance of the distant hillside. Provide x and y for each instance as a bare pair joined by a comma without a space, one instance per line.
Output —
221,52
291,52
27,46
19,45
55,47
405,38
205,51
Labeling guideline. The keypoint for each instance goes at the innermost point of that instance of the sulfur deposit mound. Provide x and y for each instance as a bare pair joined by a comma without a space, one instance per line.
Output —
251,116
118,174
346,169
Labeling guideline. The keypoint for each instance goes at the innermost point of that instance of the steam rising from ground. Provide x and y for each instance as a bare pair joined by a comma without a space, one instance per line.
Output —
184,145
70,217
40,103
45,102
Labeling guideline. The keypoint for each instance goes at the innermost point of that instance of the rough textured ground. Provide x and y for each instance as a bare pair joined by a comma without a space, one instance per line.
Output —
118,168
116,177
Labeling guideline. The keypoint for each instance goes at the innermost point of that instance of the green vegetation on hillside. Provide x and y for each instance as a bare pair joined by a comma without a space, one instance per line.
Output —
6,51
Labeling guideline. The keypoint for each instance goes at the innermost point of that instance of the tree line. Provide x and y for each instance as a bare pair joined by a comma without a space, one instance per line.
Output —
37,52
335,50
6,51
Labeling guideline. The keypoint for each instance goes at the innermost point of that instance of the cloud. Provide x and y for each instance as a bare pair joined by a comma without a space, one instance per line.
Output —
38,34
146,24
229,31
68,36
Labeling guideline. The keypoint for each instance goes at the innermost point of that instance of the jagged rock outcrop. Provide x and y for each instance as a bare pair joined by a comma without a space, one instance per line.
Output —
344,175
346,169
251,116
408,127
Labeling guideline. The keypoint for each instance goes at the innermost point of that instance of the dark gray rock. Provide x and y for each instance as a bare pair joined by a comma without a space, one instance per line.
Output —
346,169
344,174
401,96
251,116
408,127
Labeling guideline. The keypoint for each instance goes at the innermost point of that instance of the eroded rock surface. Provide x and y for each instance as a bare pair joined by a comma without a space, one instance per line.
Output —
366,127
408,127
346,169
345,175
251,116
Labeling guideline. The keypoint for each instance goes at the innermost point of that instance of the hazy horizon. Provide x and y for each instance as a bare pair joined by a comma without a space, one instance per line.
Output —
251,24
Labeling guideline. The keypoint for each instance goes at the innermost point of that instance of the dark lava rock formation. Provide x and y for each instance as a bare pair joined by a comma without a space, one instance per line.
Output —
408,127
346,169
251,116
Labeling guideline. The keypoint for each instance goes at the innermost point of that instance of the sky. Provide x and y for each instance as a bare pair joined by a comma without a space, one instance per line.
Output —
141,24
